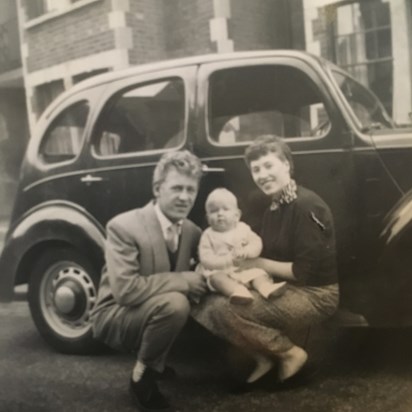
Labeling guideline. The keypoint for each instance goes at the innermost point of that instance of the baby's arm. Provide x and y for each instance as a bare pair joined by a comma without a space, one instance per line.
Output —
209,258
251,246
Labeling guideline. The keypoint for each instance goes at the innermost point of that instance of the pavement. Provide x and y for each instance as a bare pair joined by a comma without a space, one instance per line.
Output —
368,370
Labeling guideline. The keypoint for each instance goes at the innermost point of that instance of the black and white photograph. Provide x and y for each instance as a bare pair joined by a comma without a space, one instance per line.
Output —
206,205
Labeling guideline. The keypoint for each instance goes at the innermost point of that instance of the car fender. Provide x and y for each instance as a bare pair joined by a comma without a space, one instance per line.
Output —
48,224
398,221
393,271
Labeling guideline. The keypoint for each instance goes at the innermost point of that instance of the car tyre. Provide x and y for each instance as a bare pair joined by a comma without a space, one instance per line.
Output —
62,291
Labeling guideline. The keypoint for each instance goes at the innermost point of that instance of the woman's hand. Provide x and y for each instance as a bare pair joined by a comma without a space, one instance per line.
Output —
239,254
244,264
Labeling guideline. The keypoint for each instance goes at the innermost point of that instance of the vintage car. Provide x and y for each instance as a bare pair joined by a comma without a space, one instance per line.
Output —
93,152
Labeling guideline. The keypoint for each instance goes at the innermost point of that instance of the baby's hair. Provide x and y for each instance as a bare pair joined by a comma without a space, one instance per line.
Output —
219,194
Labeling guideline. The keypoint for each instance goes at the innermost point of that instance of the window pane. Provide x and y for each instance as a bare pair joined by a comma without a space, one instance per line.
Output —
250,101
343,51
385,43
366,41
360,72
380,80
348,19
367,16
63,140
371,45
382,14
35,8
364,104
148,117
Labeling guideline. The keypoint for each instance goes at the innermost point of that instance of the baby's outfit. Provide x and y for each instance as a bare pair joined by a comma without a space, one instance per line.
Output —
216,254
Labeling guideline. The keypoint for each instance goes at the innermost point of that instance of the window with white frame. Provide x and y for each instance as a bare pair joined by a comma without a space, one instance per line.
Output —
362,41
37,8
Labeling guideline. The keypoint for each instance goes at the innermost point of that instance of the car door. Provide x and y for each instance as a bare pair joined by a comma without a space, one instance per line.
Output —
140,118
286,96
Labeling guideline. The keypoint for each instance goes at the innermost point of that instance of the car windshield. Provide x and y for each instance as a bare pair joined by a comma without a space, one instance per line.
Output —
365,105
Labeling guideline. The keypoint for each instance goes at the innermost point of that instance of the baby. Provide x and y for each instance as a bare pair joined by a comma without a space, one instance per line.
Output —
225,244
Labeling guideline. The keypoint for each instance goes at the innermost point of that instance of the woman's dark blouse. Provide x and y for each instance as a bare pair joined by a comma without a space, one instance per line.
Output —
302,232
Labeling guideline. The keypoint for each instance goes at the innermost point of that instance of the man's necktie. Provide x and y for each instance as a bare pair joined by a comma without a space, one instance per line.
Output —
172,237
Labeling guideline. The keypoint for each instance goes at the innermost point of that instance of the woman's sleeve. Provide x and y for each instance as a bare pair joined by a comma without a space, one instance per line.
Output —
314,242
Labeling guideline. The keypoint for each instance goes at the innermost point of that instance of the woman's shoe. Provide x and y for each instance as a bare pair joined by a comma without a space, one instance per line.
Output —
291,362
262,367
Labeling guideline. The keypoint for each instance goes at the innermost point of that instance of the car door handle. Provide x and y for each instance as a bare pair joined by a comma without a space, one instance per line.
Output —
207,169
90,179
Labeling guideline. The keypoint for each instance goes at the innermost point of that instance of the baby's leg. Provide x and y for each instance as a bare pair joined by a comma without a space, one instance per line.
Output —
267,288
237,293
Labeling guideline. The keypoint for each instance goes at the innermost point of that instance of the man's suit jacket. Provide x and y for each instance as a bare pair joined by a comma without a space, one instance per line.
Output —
137,261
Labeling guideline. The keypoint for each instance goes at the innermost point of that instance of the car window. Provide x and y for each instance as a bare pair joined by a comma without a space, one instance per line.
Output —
145,117
367,108
62,141
249,101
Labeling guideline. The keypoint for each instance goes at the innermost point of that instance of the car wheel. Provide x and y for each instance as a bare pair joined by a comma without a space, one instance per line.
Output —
62,292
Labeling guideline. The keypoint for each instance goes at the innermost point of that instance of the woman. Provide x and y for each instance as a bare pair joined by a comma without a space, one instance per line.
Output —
298,247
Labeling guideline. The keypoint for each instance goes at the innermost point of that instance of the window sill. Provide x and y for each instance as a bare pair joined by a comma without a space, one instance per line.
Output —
55,14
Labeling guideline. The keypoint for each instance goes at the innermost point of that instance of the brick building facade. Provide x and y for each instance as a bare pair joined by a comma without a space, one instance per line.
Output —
67,40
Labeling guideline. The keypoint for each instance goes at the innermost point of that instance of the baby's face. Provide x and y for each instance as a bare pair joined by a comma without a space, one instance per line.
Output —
222,216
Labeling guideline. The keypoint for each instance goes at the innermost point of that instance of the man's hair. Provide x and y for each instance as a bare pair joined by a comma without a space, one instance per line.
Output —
219,194
182,161
267,144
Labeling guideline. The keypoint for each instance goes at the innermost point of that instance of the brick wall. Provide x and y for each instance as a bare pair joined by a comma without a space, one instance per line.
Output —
146,19
14,137
164,29
186,27
72,35
266,24
252,24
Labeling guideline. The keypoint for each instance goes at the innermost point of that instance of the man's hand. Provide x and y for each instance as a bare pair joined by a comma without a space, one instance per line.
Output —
196,282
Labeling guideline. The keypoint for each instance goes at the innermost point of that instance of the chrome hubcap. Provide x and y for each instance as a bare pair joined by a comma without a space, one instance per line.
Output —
67,295
65,299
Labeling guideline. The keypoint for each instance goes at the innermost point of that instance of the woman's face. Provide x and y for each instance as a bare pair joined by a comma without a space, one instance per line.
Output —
270,174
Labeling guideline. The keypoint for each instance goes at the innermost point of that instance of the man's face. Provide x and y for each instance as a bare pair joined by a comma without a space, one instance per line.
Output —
176,195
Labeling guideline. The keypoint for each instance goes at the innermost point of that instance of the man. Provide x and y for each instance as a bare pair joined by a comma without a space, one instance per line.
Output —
146,285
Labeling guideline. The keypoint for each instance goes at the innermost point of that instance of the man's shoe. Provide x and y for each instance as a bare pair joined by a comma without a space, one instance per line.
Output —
147,397
168,374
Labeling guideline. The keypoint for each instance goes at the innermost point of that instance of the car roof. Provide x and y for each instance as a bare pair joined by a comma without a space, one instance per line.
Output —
174,63
186,61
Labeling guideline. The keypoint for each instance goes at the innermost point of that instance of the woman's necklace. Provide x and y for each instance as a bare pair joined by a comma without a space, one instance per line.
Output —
288,195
